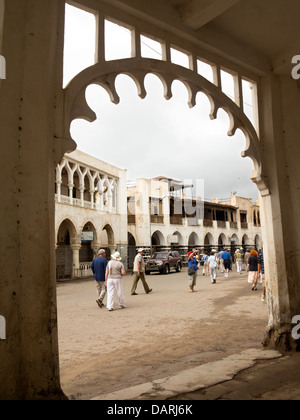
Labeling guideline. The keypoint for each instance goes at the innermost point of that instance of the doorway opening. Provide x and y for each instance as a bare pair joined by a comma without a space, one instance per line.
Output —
162,148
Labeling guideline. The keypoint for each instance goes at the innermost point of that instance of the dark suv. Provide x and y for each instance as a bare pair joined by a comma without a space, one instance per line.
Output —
163,261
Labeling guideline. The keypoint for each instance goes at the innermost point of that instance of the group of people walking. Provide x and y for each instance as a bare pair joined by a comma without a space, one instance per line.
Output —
252,261
108,276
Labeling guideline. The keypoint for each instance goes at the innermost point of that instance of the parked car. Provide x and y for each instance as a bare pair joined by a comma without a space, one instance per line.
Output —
164,261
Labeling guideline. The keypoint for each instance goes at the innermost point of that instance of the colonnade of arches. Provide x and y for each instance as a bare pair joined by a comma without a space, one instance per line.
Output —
185,243
76,247
85,187
158,239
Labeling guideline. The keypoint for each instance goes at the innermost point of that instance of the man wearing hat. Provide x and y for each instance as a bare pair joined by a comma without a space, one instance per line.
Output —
139,272
98,268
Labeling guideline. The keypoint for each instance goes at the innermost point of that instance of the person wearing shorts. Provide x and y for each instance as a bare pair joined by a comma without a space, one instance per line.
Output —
227,258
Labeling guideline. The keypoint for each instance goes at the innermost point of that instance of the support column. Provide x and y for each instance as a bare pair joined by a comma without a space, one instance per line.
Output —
58,191
92,197
95,248
280,213
33,47
71,185
75,269
81,189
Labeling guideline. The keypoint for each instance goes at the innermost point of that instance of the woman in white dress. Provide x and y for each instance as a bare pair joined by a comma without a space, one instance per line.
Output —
113,280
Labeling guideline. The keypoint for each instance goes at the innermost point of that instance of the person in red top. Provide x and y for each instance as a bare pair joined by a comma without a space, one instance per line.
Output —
252,269
193,266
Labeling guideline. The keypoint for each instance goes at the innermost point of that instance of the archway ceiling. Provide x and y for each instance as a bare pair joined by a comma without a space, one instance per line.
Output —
261,33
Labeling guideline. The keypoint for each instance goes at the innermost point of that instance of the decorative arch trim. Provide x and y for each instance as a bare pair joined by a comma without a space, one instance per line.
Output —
105,74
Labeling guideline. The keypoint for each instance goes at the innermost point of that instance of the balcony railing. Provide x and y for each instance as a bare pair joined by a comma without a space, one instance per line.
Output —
221,223
176,220
244,225
207,223
64,199
233,225
192,221
157,219
131,219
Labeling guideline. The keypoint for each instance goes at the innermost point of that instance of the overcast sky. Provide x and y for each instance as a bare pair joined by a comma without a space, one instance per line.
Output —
154,137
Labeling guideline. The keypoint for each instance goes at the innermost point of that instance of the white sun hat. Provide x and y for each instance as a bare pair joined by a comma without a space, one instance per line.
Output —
116,256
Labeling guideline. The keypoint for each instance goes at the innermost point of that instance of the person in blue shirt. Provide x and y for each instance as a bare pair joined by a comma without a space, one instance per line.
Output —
227,258
98,268
192,263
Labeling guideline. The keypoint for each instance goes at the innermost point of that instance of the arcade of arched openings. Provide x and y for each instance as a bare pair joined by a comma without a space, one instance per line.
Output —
159,220
36,113
90,213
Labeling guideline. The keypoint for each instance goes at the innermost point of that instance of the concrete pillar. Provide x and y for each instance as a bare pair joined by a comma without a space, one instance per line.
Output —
280,127
95,247
58,191
70,186
92,197
75,248
81,189
33,48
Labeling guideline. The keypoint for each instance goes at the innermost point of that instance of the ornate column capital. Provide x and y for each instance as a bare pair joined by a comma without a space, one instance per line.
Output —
75,247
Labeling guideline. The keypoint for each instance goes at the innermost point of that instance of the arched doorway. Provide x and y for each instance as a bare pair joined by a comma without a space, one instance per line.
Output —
258,242
88,236
221,240
157,240
137,73
208,242
234,242
64,253
193,240
107,240
131,250
245,241
276,96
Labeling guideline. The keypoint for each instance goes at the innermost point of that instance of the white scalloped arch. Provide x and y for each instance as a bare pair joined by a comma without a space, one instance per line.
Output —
76,107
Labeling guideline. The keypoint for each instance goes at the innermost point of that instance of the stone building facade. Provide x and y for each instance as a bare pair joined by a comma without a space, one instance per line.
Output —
90,212
158,218
94,209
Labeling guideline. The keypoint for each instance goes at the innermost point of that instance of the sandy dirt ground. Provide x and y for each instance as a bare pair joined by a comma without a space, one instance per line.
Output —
157,335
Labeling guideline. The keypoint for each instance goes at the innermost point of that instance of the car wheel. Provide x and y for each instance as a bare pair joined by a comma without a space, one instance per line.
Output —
167,269
147,273
178,268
